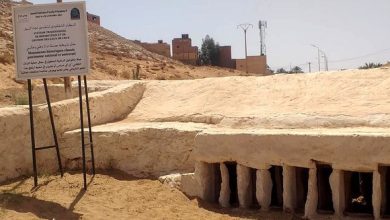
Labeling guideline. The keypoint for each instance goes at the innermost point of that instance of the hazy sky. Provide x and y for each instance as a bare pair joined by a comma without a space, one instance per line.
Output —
351,32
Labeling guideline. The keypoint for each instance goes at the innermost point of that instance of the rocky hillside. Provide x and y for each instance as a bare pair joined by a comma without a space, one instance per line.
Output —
112,56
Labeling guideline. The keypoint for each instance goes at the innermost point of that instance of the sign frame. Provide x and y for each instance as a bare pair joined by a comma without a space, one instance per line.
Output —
75,15
83,15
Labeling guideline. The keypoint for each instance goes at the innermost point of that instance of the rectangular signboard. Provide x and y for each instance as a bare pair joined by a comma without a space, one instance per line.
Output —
50,40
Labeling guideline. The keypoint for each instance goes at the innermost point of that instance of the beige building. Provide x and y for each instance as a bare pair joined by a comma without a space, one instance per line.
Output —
256,64
160,47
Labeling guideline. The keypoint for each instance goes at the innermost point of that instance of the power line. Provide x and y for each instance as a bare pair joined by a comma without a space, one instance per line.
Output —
345,59
359,57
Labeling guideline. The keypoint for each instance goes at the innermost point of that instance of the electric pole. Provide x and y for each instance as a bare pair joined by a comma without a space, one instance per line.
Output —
309,66
319,57
245,27
326,61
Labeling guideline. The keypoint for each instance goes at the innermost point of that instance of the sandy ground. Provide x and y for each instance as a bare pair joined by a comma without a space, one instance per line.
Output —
113,196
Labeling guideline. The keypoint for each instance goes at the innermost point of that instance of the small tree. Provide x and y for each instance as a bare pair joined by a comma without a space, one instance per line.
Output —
281,70
269,69
296,69
209,51
370,65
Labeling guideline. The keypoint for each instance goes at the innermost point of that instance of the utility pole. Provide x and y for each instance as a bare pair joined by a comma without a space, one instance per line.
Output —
309,66
245,27
319,57
67,82
326,61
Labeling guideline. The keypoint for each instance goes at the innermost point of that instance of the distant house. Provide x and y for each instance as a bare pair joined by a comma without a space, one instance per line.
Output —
225,57
160,47
256,64
183,50
24,2
93,18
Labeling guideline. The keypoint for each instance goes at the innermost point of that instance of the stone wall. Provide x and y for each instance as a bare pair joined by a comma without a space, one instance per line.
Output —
139,149
15,147
159,48
256,64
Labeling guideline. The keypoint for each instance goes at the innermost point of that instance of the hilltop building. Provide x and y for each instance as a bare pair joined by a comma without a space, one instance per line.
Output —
25,2
93,18
225,57
183,50
160,47
256,64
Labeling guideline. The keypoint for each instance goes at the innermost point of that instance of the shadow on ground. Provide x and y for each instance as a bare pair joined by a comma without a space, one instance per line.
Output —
40,208
247,213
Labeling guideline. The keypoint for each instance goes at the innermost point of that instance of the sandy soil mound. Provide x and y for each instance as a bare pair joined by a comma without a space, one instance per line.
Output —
114,196
336,99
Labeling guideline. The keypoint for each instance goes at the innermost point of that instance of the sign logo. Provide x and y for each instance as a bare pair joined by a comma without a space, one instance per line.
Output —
75,14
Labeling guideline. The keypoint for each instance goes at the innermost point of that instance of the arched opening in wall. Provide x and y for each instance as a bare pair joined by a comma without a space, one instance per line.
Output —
358,193
385,187
255,204
325,202
232,169
277,186
302,181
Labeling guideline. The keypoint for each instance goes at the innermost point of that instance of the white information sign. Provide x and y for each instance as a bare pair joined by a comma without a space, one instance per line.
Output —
51,40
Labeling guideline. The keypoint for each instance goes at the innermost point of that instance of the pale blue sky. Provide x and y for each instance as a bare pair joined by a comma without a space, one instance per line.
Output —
342,28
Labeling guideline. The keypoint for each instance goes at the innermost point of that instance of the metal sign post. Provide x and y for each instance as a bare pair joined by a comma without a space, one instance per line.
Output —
50,41
83,144
34,149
